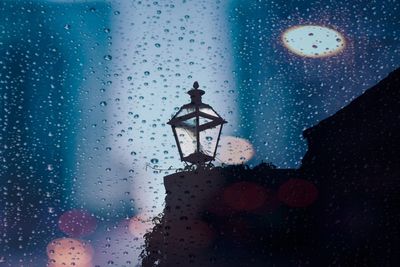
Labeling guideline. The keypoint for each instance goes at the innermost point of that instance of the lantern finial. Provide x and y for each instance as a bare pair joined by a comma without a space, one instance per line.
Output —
196,93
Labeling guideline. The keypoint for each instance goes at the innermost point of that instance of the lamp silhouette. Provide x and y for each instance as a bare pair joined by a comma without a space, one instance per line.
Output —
197,129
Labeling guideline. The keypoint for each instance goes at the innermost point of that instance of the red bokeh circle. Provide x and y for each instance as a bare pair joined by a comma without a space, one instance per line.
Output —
77,223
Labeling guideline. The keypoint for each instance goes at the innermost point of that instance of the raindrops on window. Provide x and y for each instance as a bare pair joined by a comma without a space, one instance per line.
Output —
87,89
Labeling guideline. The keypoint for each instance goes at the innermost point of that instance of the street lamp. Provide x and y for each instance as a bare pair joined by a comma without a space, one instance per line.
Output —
197,129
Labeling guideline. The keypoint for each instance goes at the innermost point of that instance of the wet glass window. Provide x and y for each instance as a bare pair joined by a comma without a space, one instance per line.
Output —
86,92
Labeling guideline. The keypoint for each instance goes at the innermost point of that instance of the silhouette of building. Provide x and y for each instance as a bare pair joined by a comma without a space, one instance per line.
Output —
353,157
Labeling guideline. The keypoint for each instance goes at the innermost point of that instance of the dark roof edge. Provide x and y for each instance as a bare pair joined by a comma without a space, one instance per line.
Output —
374,89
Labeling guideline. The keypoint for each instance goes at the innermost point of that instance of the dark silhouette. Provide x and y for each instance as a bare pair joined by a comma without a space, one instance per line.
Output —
197,128
340,208
353,158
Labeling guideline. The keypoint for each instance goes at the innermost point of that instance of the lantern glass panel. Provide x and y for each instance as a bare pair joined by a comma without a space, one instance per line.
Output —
209,111
203,121
184,111
208,140
189,123
187,139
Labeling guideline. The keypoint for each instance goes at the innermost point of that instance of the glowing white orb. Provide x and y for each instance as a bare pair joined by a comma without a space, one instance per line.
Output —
234,150
313,41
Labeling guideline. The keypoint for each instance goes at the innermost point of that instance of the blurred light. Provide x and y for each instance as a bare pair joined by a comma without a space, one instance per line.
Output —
77,223
69,252
298,193
140,225
234,150
245,196
313,41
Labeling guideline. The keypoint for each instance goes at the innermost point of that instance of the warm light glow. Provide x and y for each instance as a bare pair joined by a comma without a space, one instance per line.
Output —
234,150
69,252
313,41
140,225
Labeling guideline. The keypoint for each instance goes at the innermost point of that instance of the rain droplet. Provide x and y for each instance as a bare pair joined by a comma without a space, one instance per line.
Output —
103,103
107,57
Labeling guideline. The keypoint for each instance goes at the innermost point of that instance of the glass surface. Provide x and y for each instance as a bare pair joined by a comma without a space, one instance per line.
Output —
87,89
187,140
184,111
208,140
209,111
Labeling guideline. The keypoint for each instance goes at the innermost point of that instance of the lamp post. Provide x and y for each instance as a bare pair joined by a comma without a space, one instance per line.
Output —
197,129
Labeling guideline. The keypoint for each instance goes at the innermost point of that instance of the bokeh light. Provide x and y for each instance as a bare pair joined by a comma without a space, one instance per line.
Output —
69,252
77,223
234,150
313,41
140,225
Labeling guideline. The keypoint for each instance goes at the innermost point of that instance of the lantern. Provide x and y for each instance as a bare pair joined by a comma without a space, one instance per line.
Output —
197,129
